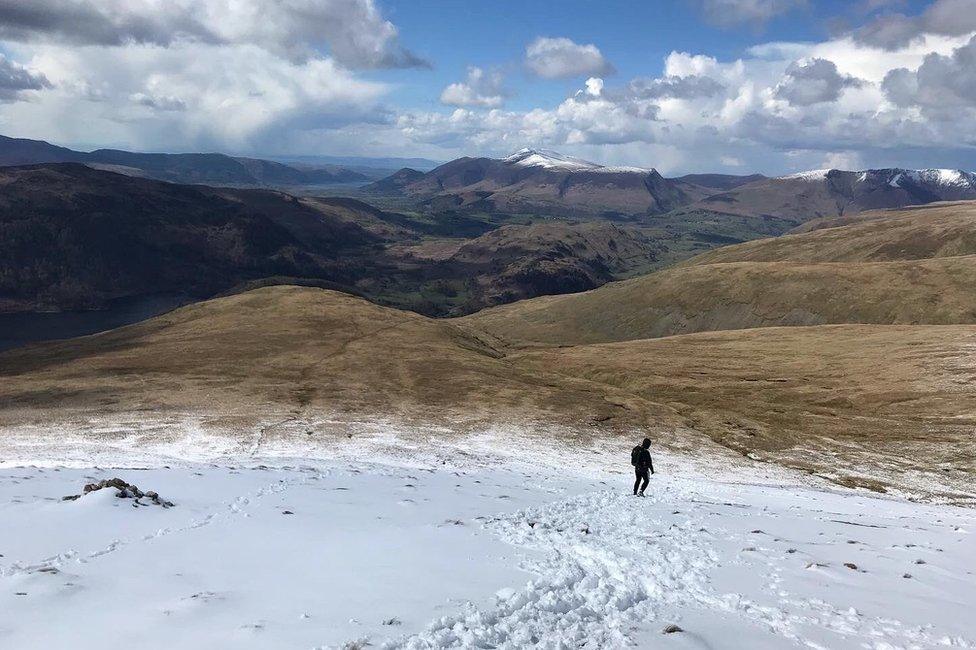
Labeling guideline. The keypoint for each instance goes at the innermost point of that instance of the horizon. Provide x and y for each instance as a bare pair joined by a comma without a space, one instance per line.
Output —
721,86
539,150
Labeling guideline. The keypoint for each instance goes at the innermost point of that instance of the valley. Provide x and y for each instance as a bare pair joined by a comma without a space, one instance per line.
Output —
894,267
469,234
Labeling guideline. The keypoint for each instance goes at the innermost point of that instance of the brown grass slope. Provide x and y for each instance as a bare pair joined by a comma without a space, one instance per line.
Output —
939,230
864,405
826,276
282,349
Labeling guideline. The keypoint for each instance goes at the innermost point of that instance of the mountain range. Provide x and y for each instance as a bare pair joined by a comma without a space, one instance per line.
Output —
833,192
78,235
74,237
536,183
197,168
539,182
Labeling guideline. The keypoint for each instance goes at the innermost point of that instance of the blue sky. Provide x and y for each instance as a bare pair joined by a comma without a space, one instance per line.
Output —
635,36
773,86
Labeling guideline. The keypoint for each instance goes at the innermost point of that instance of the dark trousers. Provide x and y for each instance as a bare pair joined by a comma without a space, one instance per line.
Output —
642,475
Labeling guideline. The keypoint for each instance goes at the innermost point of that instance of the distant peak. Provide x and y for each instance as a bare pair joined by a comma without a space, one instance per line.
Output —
554,160
546,158
811,175
944,177
895,177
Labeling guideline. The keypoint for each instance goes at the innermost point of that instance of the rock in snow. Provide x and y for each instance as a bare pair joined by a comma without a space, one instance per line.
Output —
123,490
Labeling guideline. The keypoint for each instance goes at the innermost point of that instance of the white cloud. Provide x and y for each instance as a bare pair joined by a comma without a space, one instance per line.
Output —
849,160
813,81
194,95
16,80
240,75
170,75
353,32
939,84
480,88
895,31
162,102
554,58
689,87
784,106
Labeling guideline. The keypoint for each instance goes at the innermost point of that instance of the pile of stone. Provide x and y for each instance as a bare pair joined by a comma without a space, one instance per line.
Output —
123,491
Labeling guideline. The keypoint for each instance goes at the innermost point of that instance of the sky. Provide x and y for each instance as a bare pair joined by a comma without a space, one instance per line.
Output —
735,86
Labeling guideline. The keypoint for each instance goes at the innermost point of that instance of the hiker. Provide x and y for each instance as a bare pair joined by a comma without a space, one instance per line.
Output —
640,458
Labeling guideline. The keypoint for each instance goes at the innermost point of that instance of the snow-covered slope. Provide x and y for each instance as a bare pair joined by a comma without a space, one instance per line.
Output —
524,546
948,178
809,175
933,179
547,159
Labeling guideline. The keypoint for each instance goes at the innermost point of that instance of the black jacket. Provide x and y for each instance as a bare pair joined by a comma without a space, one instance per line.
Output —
644,460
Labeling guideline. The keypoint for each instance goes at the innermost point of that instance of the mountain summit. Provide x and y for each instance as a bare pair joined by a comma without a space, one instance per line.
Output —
537,181
946,179
555,160
834,192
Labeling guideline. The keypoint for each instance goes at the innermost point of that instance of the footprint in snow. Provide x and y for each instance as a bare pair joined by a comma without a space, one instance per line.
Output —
253,627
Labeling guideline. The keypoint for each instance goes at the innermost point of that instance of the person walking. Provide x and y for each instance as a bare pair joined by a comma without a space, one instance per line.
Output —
640,458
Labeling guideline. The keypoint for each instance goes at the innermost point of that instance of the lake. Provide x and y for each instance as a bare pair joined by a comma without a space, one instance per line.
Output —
31,327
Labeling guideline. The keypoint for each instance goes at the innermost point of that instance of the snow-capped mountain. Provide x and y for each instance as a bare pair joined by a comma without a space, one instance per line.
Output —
933,179
947,178
549,160
537,181
555,160
833,192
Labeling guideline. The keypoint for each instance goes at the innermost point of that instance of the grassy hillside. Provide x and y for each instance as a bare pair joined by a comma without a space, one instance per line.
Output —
825,276
287,350
72,237
740,295
864,405
884,401
941,230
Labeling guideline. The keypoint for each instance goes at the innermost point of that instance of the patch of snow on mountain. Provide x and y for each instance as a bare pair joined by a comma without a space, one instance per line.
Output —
554,160
944,177
812,175
549,159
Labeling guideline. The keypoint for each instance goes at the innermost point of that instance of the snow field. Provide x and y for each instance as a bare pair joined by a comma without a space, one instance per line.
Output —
734,567
500,554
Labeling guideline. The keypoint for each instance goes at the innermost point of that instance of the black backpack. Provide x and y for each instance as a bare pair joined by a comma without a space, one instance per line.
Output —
635,455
